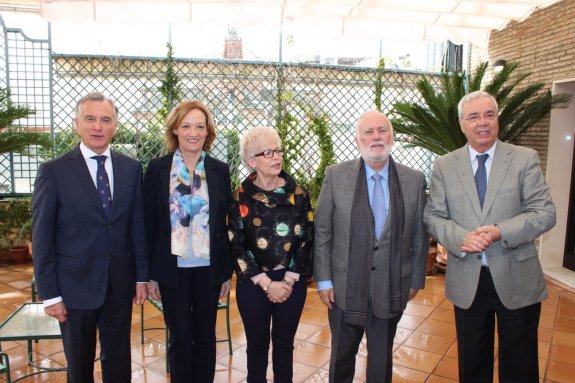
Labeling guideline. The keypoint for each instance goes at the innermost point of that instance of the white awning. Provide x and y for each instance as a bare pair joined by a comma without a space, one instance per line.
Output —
436,20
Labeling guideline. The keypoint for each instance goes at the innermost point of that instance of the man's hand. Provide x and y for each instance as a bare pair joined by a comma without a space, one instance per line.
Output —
476,242
226,287
491,230
154,290
141,293
327,297
412,293
58,311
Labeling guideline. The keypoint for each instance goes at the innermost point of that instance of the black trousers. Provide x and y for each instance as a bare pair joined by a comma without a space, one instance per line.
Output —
345,341
190,312
113,322
258,313
517,338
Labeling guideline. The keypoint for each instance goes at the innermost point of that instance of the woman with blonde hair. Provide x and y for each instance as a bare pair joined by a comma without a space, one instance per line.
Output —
187,196
271,237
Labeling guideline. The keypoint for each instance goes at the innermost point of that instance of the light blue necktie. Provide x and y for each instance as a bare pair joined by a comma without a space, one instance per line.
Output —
378,205
481,177
103,184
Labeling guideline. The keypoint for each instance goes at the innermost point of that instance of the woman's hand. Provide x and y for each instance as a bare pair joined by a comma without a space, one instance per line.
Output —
226,287
278,292
154,290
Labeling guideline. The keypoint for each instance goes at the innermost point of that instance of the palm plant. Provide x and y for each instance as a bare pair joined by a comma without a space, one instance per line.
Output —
12,141
434,125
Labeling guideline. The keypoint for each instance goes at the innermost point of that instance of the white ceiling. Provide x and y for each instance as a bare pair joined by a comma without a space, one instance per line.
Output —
436,20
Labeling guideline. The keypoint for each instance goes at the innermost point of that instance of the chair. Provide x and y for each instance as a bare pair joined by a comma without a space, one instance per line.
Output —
5,366
158,305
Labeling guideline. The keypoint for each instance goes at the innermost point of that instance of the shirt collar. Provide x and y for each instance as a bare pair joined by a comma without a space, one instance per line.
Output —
474,153
383,172
88,153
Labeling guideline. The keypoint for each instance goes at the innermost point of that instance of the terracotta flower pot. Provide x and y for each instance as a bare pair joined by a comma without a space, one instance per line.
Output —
19,254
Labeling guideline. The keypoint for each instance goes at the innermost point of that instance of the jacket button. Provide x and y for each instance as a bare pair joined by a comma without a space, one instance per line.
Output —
372,268
376,248
478,256
108,227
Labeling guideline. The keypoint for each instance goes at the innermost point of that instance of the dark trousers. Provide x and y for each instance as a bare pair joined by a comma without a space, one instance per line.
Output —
113,322
345,341
257,313
517,330
190,312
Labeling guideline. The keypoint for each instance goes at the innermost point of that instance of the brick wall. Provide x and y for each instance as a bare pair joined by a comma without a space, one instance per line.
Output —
543,44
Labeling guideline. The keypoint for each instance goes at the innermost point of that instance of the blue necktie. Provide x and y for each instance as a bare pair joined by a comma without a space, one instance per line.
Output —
481,177
378,205
103,184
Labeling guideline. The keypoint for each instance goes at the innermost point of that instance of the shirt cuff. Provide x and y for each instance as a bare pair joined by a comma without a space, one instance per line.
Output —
324,285
258,277
51,301
292,276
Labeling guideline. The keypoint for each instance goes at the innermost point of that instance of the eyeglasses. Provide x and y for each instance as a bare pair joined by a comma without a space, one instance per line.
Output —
475,117
270,153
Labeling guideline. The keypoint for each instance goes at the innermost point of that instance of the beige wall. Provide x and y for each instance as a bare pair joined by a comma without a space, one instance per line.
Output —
543,44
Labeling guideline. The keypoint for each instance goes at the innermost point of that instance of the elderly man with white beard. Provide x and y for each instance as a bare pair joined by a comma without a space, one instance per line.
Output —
370,249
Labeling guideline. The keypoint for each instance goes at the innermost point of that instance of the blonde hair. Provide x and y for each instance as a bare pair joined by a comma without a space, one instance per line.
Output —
249,141
176,117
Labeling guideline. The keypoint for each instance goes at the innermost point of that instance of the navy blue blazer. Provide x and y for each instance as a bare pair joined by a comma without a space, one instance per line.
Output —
163,264
77,249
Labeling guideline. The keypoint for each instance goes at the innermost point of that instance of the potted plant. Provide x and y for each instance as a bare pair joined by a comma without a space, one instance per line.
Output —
15,227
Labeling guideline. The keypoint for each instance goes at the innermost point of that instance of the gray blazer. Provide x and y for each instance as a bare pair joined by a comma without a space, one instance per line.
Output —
517,200
332,226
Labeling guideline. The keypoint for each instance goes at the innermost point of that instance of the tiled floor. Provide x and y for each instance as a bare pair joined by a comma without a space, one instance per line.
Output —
425,348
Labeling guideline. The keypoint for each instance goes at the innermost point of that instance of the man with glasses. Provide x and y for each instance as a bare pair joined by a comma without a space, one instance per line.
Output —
488,203
370,249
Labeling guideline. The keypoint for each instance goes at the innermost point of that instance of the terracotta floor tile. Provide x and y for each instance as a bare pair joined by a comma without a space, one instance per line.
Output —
404,375
401,335
565,324
428,342
444,315
311,354
410,322
562,353
315,317
543,349
564,338
547,321
418,310
447,368
423,298
322,337
545,334
416,359
566,307
560,372
439,328
440,379
305,330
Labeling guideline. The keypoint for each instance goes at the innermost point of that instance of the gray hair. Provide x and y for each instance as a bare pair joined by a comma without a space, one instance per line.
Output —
96,96
373,111
249,140
472,96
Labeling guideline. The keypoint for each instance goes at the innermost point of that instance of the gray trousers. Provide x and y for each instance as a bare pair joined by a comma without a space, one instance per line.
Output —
345,341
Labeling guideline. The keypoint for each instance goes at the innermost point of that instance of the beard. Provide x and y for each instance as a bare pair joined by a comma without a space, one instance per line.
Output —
373,156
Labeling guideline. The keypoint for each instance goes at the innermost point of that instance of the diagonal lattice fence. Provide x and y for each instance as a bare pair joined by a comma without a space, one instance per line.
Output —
240,95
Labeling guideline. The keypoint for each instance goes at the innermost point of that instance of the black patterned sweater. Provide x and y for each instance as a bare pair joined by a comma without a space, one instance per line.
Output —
271,228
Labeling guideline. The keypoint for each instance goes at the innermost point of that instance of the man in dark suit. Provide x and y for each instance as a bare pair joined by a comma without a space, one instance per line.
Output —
488,203
370,249
90,259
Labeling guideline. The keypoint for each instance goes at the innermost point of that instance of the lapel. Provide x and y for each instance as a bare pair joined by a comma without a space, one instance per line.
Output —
499,167
348,184
164,176
212,178
117,165
80,170
466,177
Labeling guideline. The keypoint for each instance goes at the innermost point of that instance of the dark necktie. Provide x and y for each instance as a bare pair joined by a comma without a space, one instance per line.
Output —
379,207
481,177
103,184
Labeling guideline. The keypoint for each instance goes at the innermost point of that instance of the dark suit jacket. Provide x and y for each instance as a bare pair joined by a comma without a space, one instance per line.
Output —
164,265
77,249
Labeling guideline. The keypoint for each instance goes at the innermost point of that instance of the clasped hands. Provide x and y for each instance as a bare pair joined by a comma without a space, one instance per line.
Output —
480,239
279,291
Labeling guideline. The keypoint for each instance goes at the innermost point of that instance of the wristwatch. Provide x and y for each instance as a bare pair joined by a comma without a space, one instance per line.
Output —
266,287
